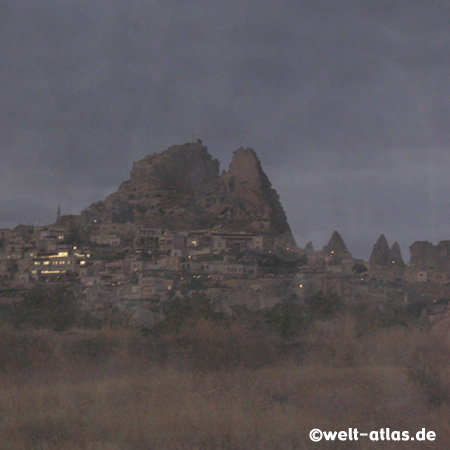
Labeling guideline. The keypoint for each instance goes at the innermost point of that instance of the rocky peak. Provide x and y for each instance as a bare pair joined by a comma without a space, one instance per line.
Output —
246,189
181,188
336,245
187,167
380,253
395,255
245,167
423,255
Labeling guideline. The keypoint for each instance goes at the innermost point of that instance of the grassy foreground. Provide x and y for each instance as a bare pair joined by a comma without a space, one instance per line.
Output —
209,386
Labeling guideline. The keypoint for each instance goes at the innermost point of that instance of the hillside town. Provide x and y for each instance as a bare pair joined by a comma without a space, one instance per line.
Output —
132,266
179,227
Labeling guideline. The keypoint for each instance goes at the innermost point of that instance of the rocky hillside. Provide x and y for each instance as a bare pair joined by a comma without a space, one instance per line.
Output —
182,187
336,246
382,256
425,256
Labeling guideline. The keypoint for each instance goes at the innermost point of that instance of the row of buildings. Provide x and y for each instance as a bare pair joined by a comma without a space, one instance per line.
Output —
130,264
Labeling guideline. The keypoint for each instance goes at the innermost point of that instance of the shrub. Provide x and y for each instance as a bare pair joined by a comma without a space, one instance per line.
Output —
52,307
321,307
426,369
359,268
288,320
182,311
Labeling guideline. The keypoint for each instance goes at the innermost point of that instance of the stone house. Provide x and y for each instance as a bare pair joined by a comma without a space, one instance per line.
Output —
412,275
171,241
67,262
151,284
435,276
172,263
236,241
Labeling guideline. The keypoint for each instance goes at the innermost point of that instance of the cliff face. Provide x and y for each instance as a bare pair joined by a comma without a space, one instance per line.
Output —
425,255
336,246
380,253
246,195
181,188
384,257
395,256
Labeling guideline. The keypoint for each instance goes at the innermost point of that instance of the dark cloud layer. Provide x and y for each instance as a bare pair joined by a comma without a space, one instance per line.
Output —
347,104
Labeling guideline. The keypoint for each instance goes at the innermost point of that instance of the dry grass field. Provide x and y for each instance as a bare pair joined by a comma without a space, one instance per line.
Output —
209,386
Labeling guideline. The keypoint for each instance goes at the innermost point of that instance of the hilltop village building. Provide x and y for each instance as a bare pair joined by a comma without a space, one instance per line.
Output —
131,264
142,261
111,255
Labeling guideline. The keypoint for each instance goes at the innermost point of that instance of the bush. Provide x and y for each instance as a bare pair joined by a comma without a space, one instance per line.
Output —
321,307
359,268
52,307
288,320
427,370
180,312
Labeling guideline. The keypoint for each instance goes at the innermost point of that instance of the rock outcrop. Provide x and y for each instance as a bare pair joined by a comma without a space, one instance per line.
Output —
380,253
181,188
146,319
425,256
395,256
384,257
336,246
246,195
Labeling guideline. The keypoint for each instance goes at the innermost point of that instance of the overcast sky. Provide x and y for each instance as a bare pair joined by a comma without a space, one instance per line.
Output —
347,104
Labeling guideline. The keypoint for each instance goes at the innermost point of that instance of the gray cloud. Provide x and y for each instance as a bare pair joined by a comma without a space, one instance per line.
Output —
346,103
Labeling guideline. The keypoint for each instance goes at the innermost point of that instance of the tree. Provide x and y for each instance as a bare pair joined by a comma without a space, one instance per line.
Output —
73,238
322,307
359,268
52,307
